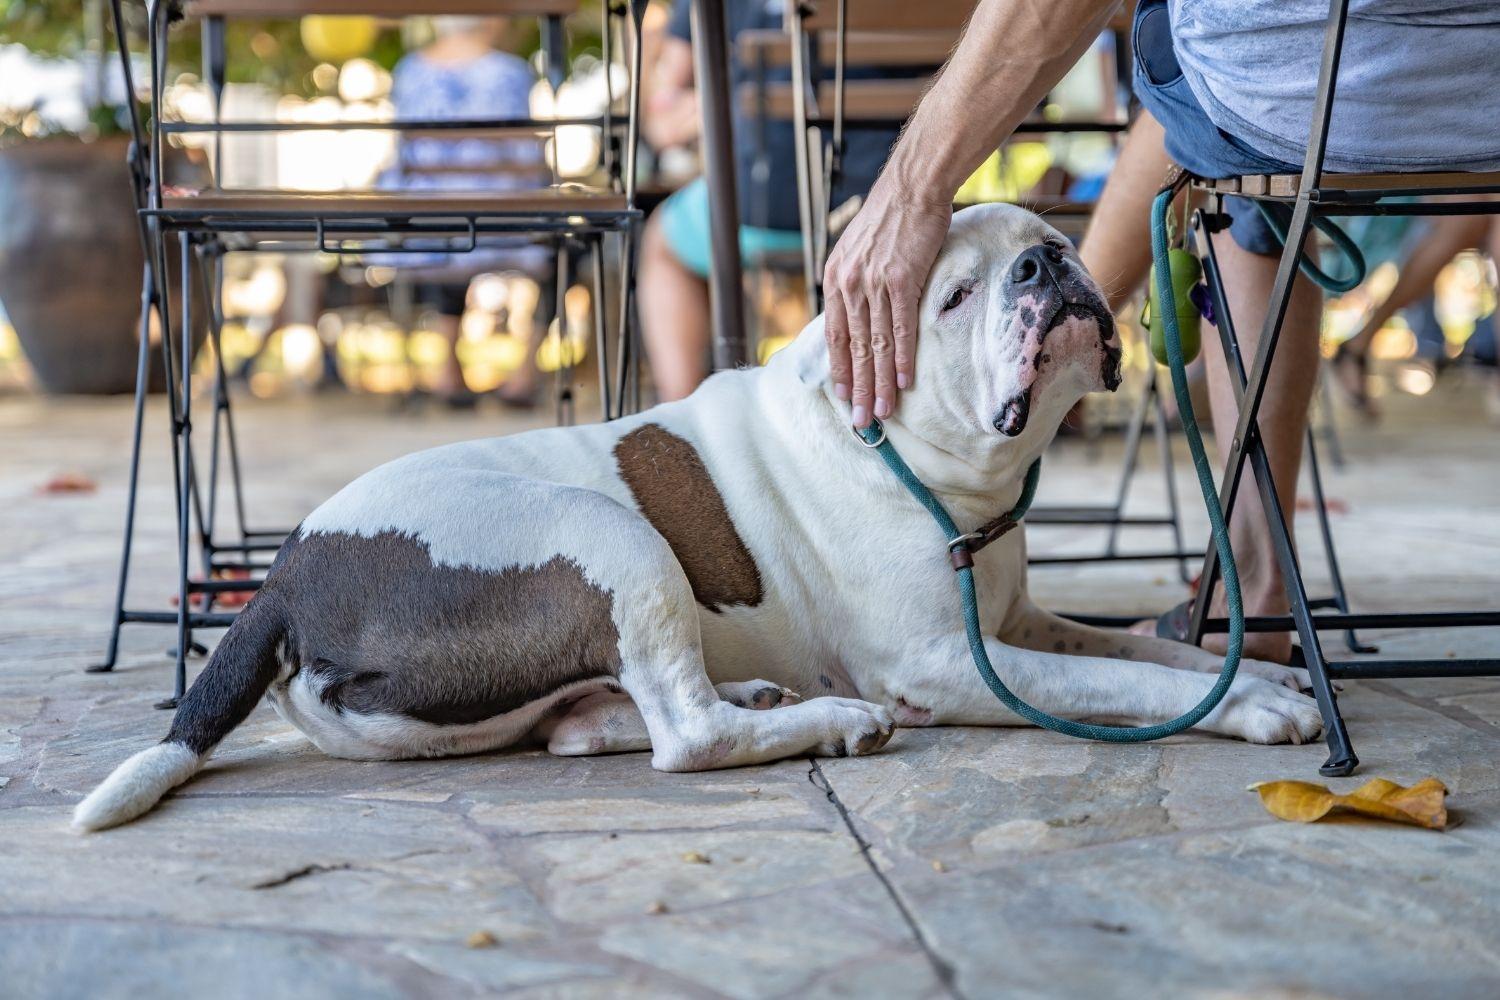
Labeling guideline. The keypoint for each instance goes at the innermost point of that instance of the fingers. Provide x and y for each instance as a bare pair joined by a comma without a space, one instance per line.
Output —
904,302
857,308
836,333
882,351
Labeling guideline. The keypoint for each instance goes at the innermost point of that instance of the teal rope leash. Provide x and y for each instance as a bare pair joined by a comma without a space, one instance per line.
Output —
961,550
1340,239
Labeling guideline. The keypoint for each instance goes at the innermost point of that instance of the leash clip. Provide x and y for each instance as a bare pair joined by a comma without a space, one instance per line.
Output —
860,434
962,548
959,552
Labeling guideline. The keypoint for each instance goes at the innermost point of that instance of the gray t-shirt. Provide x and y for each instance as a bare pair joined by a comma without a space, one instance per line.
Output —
1416,86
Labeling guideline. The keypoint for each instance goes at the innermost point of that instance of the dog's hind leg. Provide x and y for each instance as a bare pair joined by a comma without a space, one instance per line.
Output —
691,727
609,722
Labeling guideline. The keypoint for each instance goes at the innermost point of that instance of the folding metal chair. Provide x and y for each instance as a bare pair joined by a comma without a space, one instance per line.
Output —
199,227
1310,195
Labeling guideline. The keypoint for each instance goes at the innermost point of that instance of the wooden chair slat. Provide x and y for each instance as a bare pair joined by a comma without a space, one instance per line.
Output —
1287,185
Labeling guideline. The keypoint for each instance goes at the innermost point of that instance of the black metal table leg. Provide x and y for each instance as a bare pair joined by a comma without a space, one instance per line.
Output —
711,69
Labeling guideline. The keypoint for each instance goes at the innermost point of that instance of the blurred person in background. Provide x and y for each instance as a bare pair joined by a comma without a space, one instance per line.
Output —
673,290
462,74
1443,239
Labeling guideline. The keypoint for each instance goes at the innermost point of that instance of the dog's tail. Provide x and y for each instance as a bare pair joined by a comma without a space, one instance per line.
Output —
241,668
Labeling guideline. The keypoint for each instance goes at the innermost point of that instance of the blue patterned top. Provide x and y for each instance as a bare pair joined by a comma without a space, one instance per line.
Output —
496,85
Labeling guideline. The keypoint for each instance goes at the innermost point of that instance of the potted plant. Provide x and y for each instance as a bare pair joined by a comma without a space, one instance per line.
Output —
70,249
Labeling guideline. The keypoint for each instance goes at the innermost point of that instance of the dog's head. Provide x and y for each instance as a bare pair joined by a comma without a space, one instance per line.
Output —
1014,331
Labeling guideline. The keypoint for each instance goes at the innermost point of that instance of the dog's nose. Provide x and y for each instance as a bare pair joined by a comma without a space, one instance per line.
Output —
1035,264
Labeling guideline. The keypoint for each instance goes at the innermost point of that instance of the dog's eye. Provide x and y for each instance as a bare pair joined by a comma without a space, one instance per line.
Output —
1061,246
955,298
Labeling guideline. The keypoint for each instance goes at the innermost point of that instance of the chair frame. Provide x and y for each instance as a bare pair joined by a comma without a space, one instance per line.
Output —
1315,194
202,235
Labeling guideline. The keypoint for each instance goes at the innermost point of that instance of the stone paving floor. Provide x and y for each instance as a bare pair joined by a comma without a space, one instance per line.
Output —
966,862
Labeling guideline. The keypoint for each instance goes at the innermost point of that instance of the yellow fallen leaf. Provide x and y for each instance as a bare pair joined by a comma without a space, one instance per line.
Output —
1302,802
696,858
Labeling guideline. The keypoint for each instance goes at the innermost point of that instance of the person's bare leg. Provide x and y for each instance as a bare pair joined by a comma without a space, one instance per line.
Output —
674,317
1447,237
450,382
1116,247
522,387
1289,388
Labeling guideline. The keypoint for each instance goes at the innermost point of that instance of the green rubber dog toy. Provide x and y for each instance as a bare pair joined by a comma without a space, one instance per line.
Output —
1184,270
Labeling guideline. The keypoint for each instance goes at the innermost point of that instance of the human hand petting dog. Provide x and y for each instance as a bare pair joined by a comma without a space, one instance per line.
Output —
1012,52
872,286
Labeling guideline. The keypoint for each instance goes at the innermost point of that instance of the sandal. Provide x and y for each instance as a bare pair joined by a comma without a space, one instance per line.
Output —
1176,621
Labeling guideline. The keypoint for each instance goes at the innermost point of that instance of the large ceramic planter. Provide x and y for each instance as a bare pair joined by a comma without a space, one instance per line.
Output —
70,263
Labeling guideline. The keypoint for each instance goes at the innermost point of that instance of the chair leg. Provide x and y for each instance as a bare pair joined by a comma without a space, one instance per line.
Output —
142,378
1133,434
627,367
185,489
1247,445
1330,427
1335,575
1341,758
563,379
1169,474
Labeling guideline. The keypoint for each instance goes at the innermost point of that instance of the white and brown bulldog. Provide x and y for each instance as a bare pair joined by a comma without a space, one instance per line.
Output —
725,580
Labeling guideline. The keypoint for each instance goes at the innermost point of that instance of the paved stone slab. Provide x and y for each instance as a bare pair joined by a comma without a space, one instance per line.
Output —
1326,910
1032,865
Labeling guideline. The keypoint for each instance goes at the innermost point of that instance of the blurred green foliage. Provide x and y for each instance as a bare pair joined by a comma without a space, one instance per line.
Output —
268,52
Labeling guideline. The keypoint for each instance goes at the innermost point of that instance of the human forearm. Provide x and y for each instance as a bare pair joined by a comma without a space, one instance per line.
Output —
1012,52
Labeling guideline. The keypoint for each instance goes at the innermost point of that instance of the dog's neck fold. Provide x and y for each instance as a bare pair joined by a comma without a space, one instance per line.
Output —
975,466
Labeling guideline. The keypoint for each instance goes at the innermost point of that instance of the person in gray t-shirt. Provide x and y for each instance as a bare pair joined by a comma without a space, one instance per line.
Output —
1227,88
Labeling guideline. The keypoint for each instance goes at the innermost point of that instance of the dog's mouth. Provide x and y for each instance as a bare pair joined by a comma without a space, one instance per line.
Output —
1015,413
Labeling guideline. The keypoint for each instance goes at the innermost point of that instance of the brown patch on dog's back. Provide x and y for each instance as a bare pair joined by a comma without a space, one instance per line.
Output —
673,489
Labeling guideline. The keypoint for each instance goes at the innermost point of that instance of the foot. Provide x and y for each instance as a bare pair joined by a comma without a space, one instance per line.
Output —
757,694
1293,678
1260,711
1275,647
855,728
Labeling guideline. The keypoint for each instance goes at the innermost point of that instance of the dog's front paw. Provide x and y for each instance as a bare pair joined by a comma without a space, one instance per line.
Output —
1295,678
854,727
1263,711
757,695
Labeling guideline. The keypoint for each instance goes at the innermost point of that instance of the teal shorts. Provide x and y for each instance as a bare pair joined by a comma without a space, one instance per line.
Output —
684,222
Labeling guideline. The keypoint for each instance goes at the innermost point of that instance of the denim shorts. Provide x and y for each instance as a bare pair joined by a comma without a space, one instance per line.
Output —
1192,139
